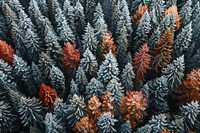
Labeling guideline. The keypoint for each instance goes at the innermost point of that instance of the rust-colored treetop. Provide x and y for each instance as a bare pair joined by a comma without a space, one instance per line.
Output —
6,52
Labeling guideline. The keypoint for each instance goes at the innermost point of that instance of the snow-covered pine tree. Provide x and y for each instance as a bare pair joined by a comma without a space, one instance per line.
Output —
108,69
158,123
75,110
174,73
116,16
43,7
126,127
89,9
159,7
127,77
143,30
62,27
115,88
156,35
80,20
30,110
186,13
81,79
183,40
60,109
57,80
106,123
89,40
52,125
89,63
94,88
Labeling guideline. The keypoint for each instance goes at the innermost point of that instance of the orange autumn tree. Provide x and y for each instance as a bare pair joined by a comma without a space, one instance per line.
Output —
139,13
141,62
48,96
71,57
189,89
133,106
85,125
162,54
173,9
108,45
6,52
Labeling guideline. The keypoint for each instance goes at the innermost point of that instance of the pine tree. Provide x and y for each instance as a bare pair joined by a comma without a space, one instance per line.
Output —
75,110
141,62
98,13
190,114
126,127
156,35
30,110
158,123
127,77
186,13
7,117
89,62
159,7
122,45
174,73
6,68
62,27
21,69
60,109
89,40
43,7
143,30
115,88
116,16
195,10
5,82
139,13
80,20
52,125
4,32
108,69
144,129
45,65
81,79
163,50
154,19
126,16
158,89
57,80
94,88
37,75
106,123
89,9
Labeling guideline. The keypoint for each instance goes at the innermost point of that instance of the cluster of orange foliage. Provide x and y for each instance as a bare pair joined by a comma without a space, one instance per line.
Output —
85,125
139,13
71,57
6,52
189,90
141,62
47,96
95,108
134,106
108,45
173,9
163,50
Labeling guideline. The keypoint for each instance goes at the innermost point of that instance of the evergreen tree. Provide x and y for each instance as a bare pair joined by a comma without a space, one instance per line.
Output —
89,40
89,62
57,80
154,19
174,73
195,10
6,68
4,32
116,17
43,7
106,123
127,77
186,12
144,129
156,36
80,20
36,74
98,13
158,123
108,69
115,88
62,27
191,114
75,110
143,30
195,26
60,109
89,9
52,125
126,127
30,110
5,82
7,117
81,79
94,88
159,7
